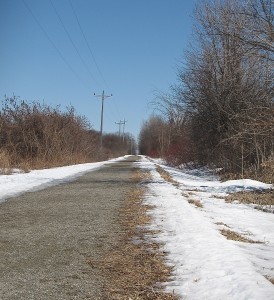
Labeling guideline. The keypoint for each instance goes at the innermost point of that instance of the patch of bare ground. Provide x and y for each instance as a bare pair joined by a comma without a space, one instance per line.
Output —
166,176
232,235
197,203
136,268
263,199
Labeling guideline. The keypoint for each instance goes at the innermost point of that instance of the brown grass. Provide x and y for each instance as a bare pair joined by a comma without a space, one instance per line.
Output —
265,173
263,199
135,269
185,194
196,203
271,279
139,177
223,224
166,176
218,197
232,235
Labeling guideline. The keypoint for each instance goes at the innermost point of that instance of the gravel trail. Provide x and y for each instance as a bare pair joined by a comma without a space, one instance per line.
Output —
46,237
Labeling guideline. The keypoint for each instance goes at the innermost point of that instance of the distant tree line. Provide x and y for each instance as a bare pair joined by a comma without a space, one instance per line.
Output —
221,112
35,135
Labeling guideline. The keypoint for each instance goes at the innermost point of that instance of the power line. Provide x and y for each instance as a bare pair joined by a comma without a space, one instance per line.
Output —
87,43
91,53
73,44
53,44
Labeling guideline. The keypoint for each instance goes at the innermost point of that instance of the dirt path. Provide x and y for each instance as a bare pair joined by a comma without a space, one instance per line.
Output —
47,237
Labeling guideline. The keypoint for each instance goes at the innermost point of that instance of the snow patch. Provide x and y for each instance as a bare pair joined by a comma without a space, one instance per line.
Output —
18,183
205,264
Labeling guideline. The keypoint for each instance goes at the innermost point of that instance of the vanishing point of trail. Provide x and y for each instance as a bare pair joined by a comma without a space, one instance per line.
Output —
48,236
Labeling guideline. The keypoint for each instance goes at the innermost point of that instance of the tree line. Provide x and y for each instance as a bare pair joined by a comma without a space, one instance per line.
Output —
35,135
221,112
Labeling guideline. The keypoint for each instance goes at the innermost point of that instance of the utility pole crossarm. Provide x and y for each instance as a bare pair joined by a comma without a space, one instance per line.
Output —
119,123
103,96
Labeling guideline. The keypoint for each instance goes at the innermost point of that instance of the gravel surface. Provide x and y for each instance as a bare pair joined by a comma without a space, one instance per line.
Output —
46,237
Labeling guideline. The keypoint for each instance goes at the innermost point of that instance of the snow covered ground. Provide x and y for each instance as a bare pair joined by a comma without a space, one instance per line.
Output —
18,183
206,264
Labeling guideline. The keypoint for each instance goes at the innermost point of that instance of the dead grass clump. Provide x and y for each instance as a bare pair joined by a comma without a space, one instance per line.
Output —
218,197
186,195
140,177
232,235
135,269
197,203
260,197
223,224
166,176
271,279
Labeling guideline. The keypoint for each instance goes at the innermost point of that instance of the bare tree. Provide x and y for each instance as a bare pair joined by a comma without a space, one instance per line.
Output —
227,83
222,110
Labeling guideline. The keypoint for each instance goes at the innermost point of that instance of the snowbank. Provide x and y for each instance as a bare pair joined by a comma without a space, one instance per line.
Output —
15,184
205,264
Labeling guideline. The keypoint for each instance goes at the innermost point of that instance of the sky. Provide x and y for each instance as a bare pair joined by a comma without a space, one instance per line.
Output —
61,52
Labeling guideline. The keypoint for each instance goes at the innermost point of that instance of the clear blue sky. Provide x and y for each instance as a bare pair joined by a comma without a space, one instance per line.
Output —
137,45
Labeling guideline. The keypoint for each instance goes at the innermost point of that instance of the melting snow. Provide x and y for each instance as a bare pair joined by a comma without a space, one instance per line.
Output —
205,264
17,183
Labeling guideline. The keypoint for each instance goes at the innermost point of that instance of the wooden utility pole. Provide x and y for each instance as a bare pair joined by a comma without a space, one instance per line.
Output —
103,96
119,123
124,123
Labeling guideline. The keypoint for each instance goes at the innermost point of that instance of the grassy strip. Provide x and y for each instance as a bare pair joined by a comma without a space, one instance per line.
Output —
265,197
197,203
232,235
166,176
135,269
263,200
